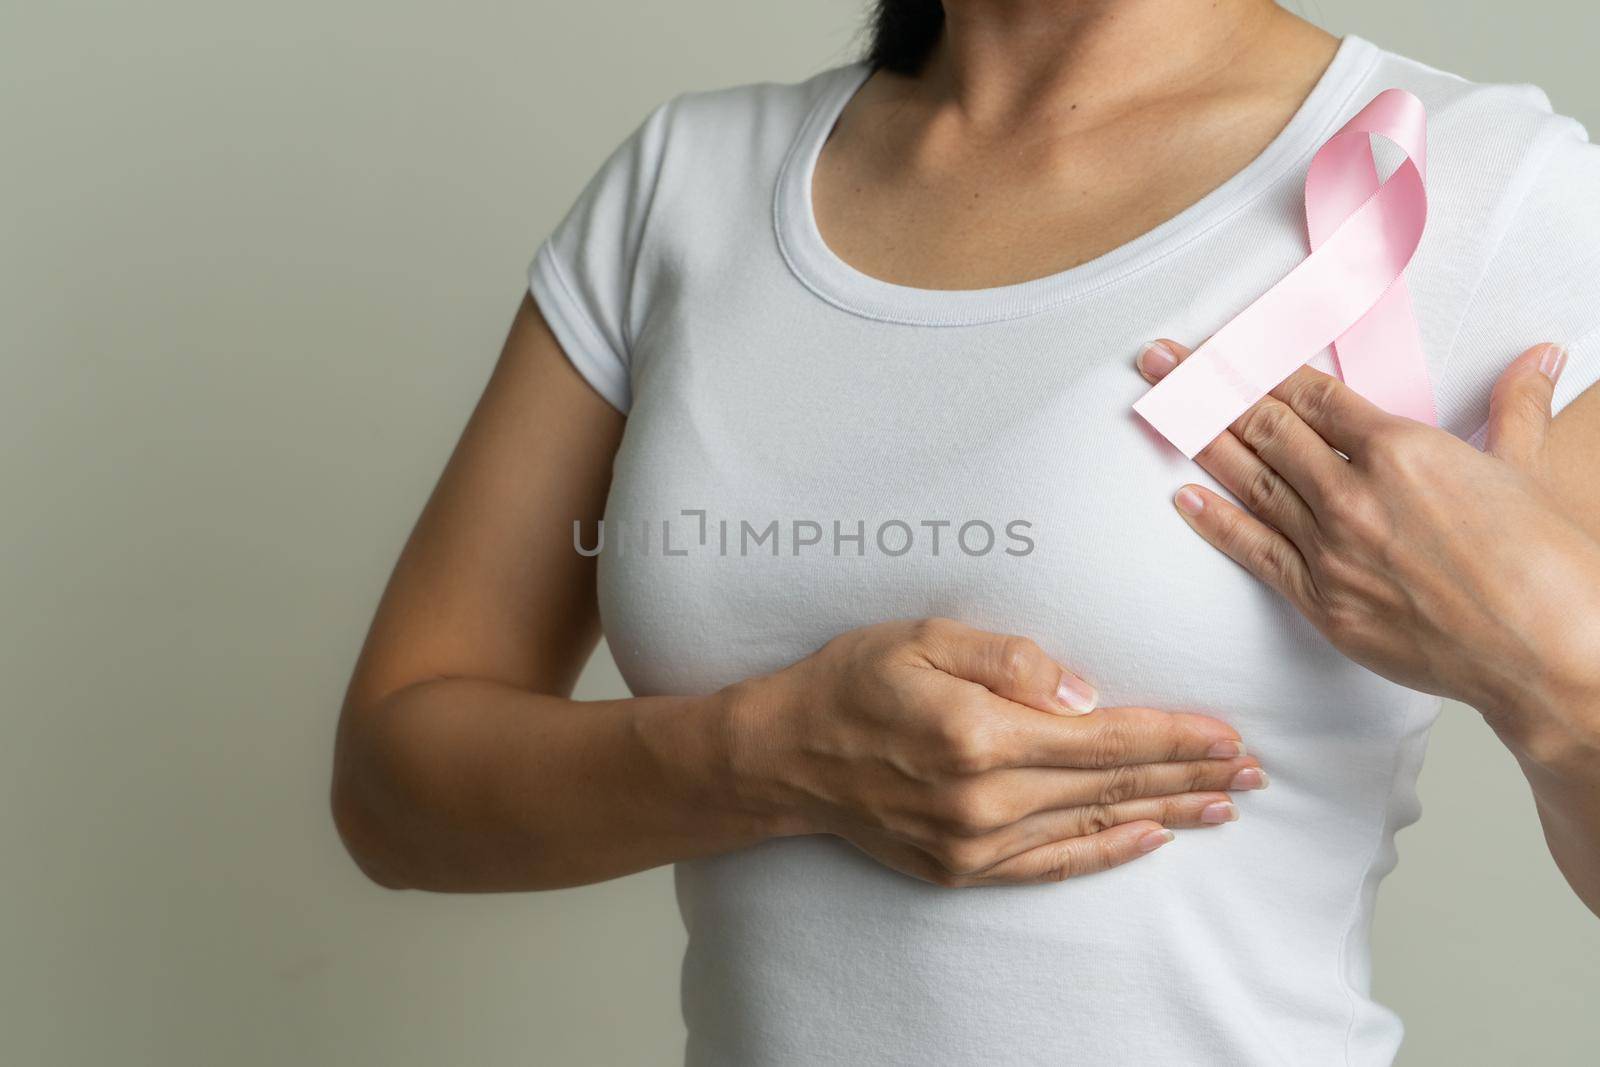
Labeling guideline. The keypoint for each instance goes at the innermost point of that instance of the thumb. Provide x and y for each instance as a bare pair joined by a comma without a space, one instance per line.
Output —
1519,406
1009,666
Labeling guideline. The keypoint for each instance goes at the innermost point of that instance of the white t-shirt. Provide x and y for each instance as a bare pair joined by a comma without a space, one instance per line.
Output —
972,454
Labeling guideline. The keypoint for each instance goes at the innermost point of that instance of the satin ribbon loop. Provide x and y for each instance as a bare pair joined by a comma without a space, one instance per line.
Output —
1349,292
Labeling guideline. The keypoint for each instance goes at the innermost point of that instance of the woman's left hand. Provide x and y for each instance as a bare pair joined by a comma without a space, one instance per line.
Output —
1440,567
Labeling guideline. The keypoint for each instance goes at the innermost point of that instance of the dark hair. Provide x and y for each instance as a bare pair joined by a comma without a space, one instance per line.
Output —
904,33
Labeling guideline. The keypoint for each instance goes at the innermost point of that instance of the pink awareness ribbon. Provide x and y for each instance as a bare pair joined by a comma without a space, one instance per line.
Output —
1350,292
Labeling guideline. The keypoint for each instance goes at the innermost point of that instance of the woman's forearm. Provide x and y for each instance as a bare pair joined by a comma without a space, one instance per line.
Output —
462,785
1556,740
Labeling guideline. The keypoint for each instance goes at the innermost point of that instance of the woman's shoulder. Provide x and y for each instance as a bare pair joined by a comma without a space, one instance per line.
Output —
1484,133
698,155
1511,253
1455,100
693,177
751,102
740,122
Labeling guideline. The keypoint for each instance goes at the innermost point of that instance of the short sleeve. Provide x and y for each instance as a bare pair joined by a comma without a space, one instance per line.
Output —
1542,282
584,275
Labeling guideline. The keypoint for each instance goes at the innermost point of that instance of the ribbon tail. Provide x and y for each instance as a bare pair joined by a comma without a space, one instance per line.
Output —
1382,358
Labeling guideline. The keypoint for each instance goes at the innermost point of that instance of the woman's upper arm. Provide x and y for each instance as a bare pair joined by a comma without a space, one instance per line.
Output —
489,584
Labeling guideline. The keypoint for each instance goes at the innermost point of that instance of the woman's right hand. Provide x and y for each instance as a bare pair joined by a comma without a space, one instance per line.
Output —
964,757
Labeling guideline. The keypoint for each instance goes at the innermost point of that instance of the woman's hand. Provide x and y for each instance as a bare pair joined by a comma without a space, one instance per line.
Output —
1443,568
969,758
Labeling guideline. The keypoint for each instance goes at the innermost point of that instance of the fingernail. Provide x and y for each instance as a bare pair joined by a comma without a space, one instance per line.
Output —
1189,502
1155,359
1552,361
1225,750
1249,778
1075,694
1154,840
1221,811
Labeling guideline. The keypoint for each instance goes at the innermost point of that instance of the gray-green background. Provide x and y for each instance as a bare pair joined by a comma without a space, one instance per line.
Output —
258,262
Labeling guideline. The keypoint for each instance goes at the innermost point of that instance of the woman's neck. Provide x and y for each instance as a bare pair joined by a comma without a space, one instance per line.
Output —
1001,64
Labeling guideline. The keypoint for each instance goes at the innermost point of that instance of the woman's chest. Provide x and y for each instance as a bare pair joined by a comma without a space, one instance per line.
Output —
769,497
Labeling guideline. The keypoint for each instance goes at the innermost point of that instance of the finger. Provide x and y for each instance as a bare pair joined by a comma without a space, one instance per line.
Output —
1112,737
1249,542
974,857
1288,463
1007,665
1337,413
1301,457
1158,357
1180,811
1519,406
1237,467
1029,790
1078,856
1268,494
1340,416
1007,798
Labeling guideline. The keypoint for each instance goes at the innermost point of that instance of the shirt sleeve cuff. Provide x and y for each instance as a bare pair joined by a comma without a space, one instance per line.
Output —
585,346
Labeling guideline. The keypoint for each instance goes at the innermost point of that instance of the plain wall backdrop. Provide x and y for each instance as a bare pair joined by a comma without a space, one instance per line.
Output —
259,260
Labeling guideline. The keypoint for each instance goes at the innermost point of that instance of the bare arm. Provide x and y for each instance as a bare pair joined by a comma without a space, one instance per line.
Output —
1556,738
462,765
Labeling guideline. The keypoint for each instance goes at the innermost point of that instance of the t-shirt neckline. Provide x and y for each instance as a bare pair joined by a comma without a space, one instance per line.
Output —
835,281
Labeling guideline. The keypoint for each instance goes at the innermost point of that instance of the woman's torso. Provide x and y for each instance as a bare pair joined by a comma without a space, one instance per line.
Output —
773,384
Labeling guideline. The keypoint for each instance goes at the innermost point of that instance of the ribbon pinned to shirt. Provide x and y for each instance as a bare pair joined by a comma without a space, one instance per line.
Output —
1349,292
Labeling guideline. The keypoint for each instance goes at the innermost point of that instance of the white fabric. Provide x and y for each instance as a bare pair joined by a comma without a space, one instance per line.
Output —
765,379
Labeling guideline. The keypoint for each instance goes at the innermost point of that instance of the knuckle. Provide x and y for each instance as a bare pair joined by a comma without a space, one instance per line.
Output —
973,811
1116,738
1121,783
1062,864
1161,735
1260,554
1317,398
962,857
1263,490
1096,817
1265,424
967,748
1107,745
1396,452
1019,656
